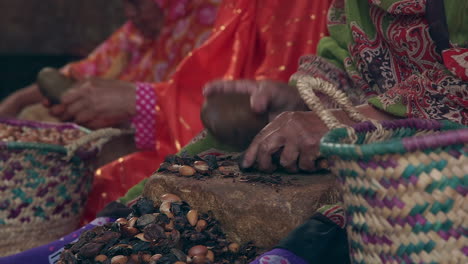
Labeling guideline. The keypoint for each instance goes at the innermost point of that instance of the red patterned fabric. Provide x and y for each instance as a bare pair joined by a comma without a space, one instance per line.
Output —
255,39
456,60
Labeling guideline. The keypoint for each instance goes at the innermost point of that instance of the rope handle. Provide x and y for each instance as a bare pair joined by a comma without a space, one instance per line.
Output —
307,87
99,137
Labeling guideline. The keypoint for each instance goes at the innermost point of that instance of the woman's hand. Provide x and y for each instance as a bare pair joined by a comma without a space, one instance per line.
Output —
16,102
265,96
296,135
97,103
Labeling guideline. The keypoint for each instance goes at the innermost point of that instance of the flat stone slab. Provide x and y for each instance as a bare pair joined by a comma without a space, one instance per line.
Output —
250,211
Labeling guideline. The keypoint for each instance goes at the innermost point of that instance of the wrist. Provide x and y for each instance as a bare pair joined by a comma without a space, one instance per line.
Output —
144,118
132,104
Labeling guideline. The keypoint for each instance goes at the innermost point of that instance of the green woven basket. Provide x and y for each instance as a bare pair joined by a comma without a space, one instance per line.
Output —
404,184
43,187
406,196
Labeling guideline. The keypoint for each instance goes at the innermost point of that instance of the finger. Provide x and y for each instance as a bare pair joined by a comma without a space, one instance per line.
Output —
251,153
74,94
212,87
259,100
85,118
94,124
267,148
289,157
73,109
245,87
307,159
46,103
57,110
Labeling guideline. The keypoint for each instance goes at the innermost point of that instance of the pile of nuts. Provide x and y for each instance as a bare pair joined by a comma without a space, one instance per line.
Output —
200,168
210,166
170,233
11,133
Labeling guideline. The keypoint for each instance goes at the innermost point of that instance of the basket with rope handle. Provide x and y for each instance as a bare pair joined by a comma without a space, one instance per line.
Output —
43,187
404,183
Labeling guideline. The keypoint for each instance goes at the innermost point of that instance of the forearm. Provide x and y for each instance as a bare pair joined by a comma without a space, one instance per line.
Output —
24,97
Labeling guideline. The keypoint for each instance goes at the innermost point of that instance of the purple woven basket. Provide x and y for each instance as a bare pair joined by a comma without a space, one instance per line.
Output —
42,193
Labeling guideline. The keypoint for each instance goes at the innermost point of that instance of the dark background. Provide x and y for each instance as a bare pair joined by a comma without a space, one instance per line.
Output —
39,33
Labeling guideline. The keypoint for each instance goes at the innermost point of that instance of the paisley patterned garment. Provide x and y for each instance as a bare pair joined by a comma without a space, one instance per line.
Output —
383,51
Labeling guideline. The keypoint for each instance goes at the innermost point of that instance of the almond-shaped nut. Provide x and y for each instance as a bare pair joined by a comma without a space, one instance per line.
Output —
174,168
234,247
210,256
170,226
201,166
141,236
226,170
199,259
169,197
121,221
132,221
192,217
146,258
156,257
199,250
165,208
100,258
187,171
119,260
322,164
201,225
129,231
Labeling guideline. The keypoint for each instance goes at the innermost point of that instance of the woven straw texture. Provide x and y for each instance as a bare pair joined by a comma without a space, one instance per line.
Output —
404,186
42,191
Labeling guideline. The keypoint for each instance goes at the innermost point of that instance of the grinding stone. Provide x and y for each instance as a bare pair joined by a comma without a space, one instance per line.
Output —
53,84
230,119
250,211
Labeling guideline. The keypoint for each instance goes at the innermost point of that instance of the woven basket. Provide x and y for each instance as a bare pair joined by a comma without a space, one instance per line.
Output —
43,187
404,184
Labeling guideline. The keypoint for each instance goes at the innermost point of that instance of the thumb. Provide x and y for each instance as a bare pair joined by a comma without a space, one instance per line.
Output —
260,99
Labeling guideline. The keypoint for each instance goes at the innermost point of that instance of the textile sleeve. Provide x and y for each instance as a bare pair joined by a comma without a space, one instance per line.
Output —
144,122
107,60
430,95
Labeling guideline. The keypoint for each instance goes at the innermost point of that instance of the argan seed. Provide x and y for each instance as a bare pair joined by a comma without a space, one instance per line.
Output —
199,259
132,221
169,197
129,231
199,250
141,236
121,221
100,258
201,166
170,226
165,207
210,256
187,171
234,247
192,217
119,260
201,225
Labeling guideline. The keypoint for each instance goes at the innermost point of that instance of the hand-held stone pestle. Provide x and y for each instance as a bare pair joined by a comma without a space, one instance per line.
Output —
53,84
231,120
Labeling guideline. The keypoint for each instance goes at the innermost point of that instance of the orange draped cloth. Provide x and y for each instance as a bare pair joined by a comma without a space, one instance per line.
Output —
252,39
